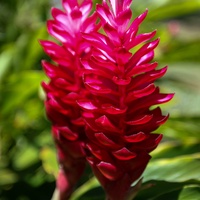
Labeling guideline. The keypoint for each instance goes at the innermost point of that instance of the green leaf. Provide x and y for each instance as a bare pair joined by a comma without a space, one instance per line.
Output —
183,79
167,9
7,177
178,169
172,149
89,188
190,192
34,49
19,88
25,157
154,190
49,161
183,130
174,9
5,59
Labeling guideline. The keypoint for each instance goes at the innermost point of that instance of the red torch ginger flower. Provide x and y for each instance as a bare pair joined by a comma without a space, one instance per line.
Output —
110,77
120,120
66,87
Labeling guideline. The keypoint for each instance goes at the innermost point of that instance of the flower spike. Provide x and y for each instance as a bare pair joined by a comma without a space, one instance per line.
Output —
66,87
121,125
100,95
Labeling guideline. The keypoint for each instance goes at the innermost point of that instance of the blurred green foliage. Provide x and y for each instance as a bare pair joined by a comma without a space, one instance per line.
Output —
27,154
25,139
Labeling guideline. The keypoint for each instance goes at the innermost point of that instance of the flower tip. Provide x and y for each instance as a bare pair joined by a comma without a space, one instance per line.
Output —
167,98
90,160
172,95
158,139
154,32
143,15
42,43
44,86
86,105
108,170
145,12
52,9
124,154
156,41
49,24
44,63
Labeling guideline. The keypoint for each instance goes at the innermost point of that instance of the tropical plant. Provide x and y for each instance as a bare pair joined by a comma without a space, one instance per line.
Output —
28,166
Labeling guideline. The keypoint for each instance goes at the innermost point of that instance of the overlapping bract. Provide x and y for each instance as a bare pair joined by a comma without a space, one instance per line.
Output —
107,80
66,87
119,119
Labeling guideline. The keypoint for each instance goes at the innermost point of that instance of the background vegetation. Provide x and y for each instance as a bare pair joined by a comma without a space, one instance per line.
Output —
27,155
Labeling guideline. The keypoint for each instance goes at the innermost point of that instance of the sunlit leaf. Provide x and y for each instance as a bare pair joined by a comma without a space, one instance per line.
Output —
183,129
5,59
190,192
91,187
25,157
172,149
154,190
177,169
20,87
7,177
49,161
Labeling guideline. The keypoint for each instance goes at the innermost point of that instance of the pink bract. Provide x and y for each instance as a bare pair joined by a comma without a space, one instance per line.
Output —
66,87
120,120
